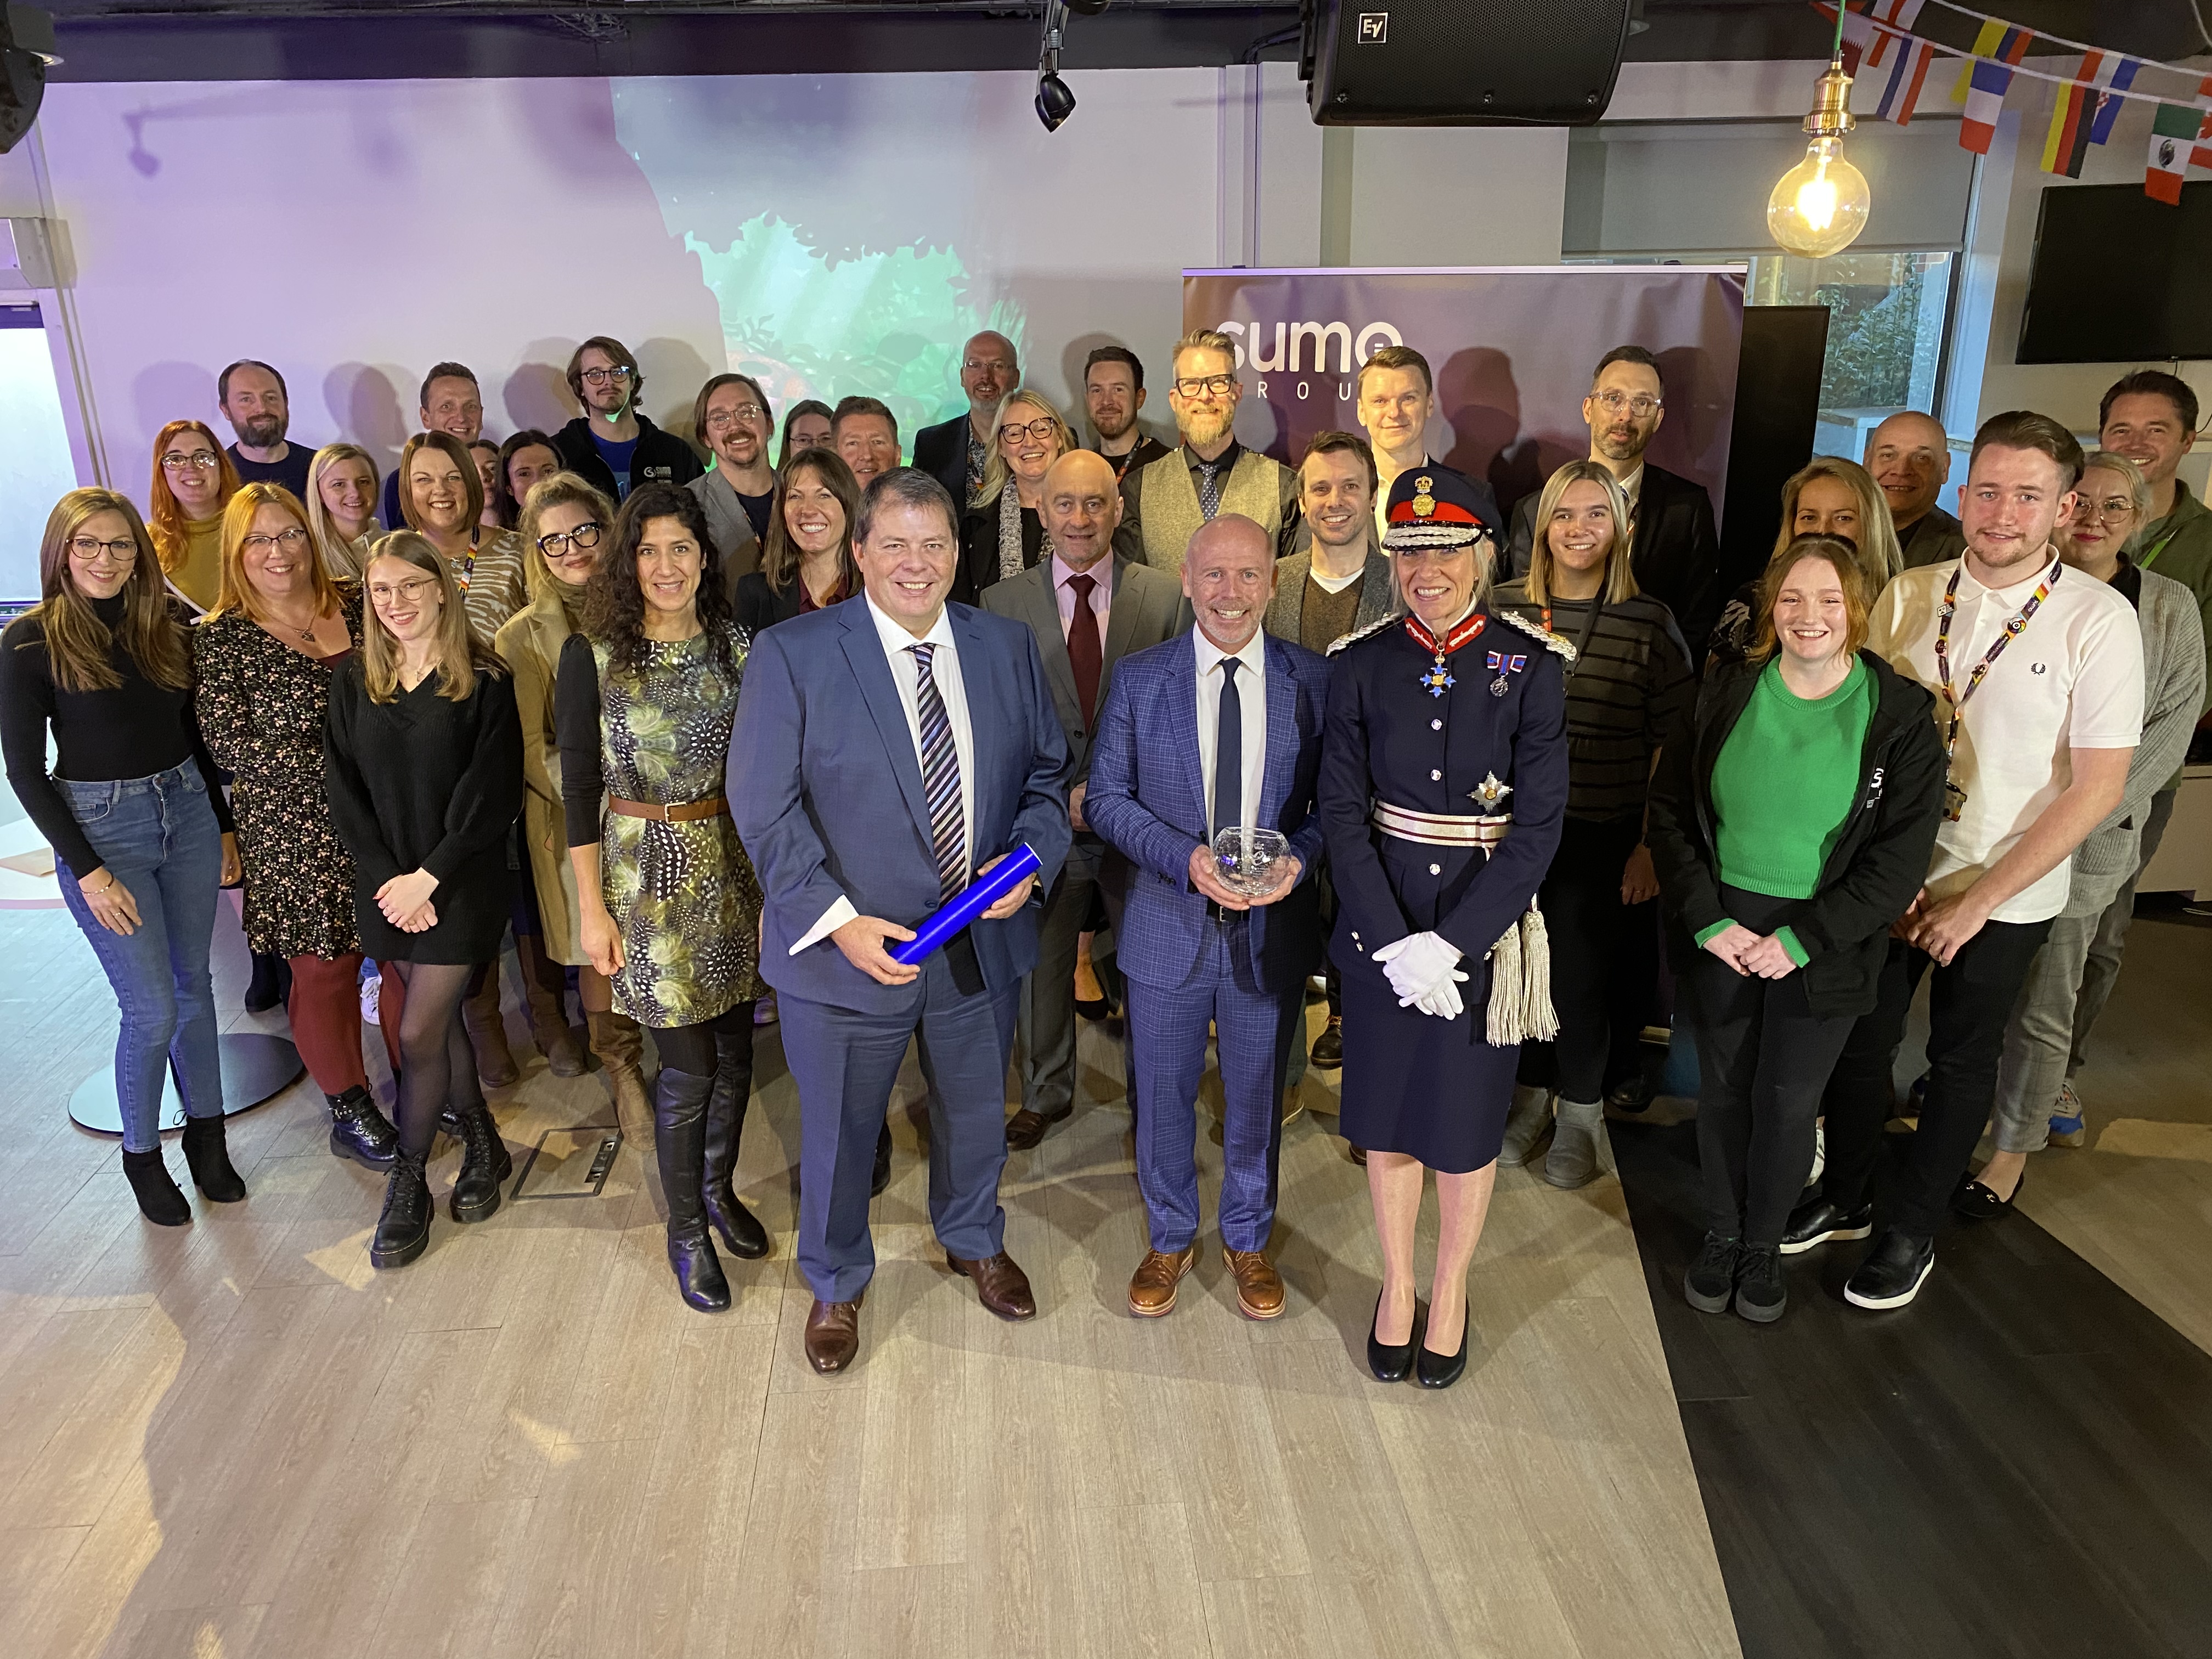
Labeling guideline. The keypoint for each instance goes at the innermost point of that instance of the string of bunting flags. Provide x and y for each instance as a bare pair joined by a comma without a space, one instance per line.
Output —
1892,44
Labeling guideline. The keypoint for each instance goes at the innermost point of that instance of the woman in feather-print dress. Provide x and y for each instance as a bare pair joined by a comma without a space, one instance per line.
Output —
669,905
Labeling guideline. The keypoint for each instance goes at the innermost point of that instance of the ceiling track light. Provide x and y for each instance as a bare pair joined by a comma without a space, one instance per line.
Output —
1055,101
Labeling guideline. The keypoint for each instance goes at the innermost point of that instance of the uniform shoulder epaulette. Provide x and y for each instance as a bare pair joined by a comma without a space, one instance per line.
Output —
1537,630
1359,634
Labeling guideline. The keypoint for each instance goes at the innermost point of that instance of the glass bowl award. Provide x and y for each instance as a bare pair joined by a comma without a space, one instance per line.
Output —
1245,858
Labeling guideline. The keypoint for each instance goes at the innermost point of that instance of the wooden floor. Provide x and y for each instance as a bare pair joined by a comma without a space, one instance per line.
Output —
235,1439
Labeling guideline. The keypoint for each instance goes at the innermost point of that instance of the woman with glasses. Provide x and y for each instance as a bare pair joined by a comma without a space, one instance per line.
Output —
193,482
731,416
565,527
807,424
670,906
263,657
1003,534
134,815
809,563
422,765
441,498
341,488
525,460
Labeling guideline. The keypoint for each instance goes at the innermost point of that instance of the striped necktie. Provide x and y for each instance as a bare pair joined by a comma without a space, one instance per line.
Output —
941,777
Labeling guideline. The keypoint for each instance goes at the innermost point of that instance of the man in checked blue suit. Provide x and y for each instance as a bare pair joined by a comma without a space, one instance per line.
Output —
1217,729
886,752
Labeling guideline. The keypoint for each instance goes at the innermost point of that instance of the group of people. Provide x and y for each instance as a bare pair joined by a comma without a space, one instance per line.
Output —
708,740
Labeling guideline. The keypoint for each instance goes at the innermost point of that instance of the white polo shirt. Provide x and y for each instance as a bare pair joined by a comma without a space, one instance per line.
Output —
2073,679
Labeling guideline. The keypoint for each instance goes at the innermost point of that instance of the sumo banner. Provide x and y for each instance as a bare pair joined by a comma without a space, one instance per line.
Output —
1512,350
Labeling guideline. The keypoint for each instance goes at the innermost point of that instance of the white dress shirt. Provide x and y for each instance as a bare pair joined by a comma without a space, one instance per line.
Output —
1252,700
944,668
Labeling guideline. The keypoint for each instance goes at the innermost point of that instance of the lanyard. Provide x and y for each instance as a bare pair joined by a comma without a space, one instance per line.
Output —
2143,559
1588,630
2013,627
468,564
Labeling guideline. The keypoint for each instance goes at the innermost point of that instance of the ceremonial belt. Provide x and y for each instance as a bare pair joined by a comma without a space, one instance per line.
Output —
712,807
1441,828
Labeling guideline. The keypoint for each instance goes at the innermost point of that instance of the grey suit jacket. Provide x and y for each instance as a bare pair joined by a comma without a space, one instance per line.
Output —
1378,595
1148,607
731,530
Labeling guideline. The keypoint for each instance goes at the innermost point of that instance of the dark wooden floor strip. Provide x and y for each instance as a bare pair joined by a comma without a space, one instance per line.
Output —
2018,1464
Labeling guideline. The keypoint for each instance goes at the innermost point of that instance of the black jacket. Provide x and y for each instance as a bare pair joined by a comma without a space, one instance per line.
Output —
941,450
1872,873
979,550
660,457
1677,554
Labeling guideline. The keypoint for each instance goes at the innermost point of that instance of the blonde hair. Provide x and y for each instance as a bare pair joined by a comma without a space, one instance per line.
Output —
1200,339
558,489
1879,554
2103,460
336,552
461,656
237,594
165,523
1842,555
996,472
1619,578
78,644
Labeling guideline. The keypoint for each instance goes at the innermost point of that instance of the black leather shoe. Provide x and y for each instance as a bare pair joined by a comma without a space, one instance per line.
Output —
699,1276
1893,1273
404,1230
1710,1281
476,1188
881,1176
1816,1222
160,1201
208,1157
680,1144
1975,1202
1391,1365
1327,1053
1631,1096
360,1131
1760,1294
1092,1008
1441,1371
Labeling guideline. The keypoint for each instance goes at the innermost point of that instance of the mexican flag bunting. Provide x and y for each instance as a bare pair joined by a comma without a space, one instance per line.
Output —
2173,135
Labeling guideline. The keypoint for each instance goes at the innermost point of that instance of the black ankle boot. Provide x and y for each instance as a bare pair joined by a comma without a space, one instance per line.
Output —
404,1230
359,1130
160,1201
484,1165
270,984
743,1236
679,1136
209,1158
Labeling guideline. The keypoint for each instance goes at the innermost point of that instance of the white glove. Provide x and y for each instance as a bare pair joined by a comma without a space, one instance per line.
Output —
1418,963
1444,1001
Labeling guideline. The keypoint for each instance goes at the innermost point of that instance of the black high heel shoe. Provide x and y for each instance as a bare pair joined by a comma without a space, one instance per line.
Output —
1438,1370
1391,1365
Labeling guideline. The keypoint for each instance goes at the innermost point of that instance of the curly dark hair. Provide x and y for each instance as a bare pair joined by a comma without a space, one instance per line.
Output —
613,604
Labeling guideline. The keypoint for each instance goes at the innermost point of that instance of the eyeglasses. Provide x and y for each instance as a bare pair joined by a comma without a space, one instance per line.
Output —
554,544
290,540
176,461
615,376
1619,402
85,550
384,592
1218,385
2108,511
996,365
723,419
1013,432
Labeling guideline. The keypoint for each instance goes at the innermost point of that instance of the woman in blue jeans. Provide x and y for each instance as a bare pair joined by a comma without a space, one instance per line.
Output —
140,832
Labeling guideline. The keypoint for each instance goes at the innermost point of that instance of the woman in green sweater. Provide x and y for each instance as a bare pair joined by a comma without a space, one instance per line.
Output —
1791,827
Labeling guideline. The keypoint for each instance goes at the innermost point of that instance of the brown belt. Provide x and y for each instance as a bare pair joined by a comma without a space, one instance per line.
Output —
713,806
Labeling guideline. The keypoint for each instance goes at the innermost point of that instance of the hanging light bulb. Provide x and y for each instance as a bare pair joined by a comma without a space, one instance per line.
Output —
1819,206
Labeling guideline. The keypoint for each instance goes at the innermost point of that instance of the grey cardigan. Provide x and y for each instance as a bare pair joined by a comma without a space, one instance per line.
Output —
2174,693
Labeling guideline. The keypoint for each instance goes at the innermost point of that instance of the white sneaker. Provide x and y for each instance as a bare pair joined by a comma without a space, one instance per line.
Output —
372,999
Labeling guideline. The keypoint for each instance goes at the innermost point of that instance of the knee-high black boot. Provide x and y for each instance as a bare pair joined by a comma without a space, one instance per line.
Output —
742,1233
679,1135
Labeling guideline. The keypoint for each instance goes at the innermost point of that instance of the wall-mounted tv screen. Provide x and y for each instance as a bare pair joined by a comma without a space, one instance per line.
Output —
2119,278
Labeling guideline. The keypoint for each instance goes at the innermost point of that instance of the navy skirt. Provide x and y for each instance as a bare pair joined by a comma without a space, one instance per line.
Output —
1430,1088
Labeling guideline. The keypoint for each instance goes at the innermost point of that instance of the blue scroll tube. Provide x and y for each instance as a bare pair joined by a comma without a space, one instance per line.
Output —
979,896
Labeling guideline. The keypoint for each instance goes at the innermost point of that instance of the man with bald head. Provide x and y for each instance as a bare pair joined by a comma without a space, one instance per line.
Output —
1219,730
1089,608
1910,458
955,452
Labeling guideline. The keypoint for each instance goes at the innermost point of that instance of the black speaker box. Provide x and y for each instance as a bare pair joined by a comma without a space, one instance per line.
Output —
1462,63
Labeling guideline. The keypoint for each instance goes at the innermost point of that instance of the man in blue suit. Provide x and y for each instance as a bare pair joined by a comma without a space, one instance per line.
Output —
885,754
1218,728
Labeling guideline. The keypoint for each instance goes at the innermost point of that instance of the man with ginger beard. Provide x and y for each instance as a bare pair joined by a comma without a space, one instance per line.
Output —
1909,458
1165,503
1089,607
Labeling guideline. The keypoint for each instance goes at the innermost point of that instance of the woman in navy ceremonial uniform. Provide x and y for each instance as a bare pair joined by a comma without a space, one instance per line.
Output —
1443,788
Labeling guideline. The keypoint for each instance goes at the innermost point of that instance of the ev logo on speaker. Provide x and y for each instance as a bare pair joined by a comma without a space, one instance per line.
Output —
1374,28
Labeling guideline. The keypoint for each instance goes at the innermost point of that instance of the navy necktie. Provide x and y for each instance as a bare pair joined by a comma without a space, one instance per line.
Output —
1229,753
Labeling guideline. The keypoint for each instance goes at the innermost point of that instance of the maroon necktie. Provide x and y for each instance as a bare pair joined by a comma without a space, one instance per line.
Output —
1084,655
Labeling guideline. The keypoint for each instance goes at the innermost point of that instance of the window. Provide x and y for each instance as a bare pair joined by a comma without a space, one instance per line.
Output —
1887,313
35,469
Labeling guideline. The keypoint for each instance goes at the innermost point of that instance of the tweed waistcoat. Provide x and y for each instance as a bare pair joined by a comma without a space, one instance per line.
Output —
1167,503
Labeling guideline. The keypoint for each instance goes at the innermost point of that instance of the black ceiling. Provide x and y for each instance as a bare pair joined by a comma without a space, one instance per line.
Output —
367,39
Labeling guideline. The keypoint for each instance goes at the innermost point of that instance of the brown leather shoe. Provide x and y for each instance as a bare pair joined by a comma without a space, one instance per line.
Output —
833,1336
1025,1128
1357,1154
1152,1286
1259,1286
1001,1285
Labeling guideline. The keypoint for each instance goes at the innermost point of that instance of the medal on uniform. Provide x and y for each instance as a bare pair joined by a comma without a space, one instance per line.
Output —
1438,679
1490,794
1504,665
